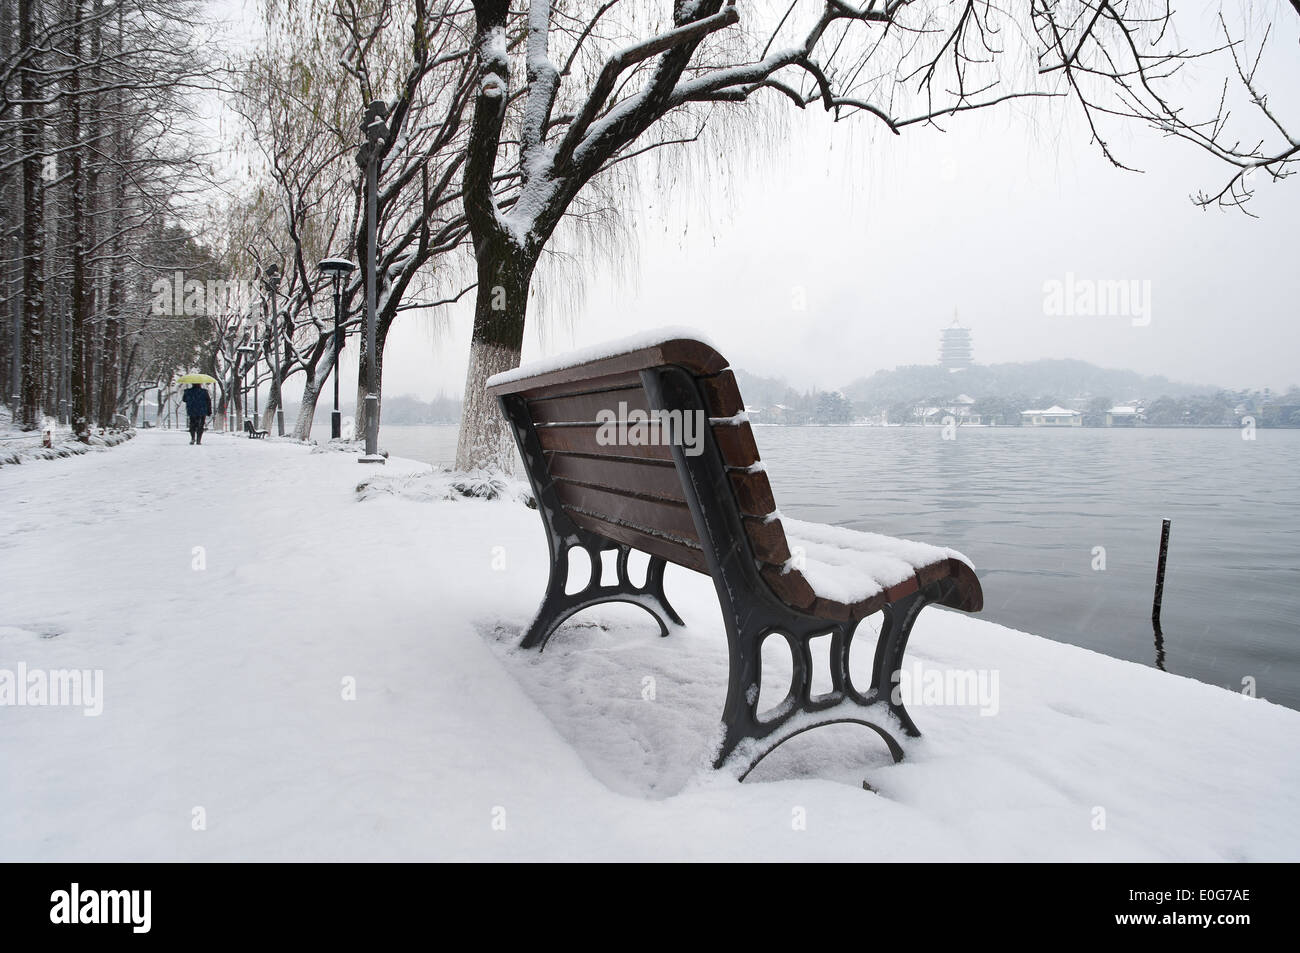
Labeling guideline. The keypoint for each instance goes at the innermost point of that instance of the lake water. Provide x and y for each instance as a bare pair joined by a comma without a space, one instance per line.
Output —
1030,507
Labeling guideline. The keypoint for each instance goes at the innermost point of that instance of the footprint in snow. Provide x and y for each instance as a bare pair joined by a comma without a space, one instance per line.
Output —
39,630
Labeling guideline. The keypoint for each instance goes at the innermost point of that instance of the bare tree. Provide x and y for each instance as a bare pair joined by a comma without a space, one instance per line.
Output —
566,92
32,228
1270,151
95,99
302,112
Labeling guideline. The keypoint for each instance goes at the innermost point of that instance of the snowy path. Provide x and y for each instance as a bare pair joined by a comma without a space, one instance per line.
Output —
223,690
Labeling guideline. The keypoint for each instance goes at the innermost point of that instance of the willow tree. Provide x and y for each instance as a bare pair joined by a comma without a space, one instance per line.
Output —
303,95
565,91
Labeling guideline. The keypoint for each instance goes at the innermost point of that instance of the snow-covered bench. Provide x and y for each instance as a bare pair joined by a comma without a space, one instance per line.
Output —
253,432
645,445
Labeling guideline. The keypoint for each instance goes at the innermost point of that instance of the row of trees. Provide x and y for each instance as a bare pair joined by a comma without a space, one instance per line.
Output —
95,162
301,96
517,140
528,131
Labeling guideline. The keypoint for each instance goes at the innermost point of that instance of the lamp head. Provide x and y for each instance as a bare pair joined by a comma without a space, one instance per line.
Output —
336,267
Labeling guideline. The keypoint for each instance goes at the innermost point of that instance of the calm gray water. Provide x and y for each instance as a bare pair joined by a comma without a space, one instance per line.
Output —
1028,507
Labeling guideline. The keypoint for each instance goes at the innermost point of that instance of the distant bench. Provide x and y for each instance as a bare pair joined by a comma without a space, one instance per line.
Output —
694,494
253,432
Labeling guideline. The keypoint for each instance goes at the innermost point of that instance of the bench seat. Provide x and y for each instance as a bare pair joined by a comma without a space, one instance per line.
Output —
853,574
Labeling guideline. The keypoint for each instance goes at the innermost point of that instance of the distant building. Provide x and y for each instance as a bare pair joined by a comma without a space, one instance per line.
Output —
958,412
955,349
1123,416
1051,417
783,414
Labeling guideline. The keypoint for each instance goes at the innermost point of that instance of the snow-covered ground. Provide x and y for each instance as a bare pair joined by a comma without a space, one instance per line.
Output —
19,446
233,593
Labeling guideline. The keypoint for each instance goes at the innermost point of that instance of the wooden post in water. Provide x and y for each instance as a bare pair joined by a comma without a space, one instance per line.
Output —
1160,575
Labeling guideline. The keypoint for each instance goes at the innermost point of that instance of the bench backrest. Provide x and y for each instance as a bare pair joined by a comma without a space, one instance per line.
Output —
631,492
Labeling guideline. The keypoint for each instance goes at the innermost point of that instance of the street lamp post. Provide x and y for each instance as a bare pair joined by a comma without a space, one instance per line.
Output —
257,380
337,269
375,130
272,283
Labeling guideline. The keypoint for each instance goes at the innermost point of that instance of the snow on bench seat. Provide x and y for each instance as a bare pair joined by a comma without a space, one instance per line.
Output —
851,567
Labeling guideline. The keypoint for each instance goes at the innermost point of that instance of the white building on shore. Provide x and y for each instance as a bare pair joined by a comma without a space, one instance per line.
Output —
1054,416
1124,416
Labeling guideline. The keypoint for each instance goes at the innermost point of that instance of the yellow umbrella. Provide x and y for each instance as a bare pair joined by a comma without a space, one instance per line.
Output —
196,379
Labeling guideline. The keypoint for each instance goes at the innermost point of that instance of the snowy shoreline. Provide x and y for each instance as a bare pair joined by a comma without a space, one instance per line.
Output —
292,671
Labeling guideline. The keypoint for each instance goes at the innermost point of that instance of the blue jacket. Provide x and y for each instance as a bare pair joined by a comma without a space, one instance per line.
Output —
197,402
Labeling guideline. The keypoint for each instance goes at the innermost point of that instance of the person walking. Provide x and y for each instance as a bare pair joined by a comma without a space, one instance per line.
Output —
199,407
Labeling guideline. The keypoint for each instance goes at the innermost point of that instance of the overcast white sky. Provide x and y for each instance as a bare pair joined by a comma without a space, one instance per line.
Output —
885,236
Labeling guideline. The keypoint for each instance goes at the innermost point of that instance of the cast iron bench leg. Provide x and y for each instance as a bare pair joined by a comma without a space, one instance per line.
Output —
895,629
562,535
747,739
558,605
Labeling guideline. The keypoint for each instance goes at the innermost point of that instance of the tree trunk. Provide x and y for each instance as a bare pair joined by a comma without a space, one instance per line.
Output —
33,227
111,345
236,398
500,306
79,305
307,410
9,201
15,250
272,405
312,390
110,372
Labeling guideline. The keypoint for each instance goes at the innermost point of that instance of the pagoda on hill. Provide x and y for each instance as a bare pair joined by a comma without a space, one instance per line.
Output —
955,349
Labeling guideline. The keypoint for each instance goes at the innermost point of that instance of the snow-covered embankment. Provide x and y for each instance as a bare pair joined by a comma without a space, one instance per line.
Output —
289,671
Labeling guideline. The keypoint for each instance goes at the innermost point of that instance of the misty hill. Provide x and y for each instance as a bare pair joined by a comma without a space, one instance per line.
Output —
758,391
404,409
407,409
1067,378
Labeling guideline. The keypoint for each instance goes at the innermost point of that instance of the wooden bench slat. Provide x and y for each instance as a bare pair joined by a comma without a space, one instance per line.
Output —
582,439
583,408
904,588
675,551
695,356
721,394
753,493
591,385
648,477
790,587
668,518
767,539
969,596
828,609
736,444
